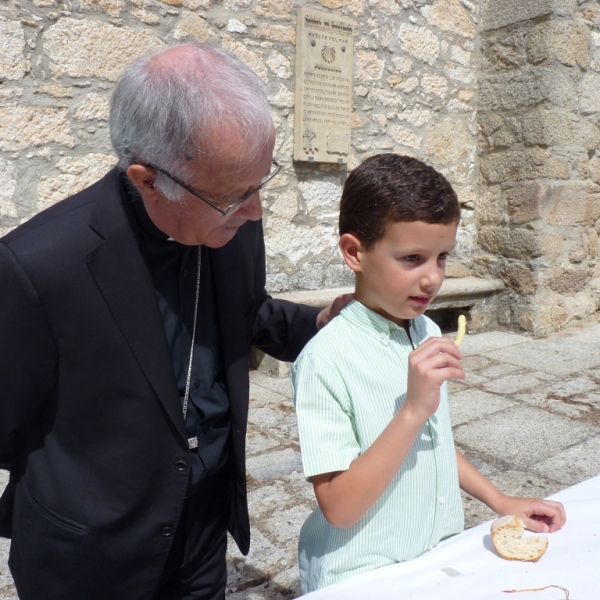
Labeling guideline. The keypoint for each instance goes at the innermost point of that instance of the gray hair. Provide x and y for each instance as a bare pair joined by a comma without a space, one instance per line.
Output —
166,115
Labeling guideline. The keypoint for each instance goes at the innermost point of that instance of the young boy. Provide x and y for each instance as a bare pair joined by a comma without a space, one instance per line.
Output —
371,394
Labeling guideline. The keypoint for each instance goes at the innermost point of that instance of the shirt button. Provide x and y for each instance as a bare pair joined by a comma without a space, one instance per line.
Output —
442,500
167,531
438,441
383,335
180,465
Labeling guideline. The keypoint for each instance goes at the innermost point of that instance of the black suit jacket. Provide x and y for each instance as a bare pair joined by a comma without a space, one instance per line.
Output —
91,426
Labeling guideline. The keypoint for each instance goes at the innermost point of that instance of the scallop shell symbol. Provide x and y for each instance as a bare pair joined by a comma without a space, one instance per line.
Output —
328,54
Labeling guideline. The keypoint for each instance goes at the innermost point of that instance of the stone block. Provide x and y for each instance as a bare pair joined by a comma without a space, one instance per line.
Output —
356,7
404,137
571,204
93,107
8,176
448,140
589,98
275,10
519,278
450,15
569,43
369,67
435,84
521,165
252,59
417,116
524,202
512,243
192,25
552,127
491,206
279,65
419,42
13,65
76,173
79,48
113,8
24,126
276,33
524,87
569,281
495,14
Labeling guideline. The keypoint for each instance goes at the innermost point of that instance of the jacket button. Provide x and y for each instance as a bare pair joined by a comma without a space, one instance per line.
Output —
167,531
180,465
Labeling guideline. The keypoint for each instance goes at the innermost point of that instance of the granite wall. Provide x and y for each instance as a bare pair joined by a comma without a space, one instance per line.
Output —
501,95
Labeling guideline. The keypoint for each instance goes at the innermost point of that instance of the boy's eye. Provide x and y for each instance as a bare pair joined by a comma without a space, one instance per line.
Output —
411,258
443,256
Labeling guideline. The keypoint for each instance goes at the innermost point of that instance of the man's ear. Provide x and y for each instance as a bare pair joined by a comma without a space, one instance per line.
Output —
143,177
352,249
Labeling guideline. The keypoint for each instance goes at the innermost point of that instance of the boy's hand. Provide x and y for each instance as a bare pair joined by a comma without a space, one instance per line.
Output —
429,365
541,516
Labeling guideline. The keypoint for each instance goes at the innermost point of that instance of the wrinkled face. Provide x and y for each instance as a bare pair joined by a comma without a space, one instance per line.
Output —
401,274
194,222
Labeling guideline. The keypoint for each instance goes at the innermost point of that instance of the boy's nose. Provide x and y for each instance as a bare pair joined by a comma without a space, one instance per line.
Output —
433,278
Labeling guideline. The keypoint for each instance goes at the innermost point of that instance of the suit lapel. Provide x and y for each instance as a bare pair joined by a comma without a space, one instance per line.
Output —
123,278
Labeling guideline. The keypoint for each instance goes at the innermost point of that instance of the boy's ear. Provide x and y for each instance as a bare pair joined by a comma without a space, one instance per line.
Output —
351,249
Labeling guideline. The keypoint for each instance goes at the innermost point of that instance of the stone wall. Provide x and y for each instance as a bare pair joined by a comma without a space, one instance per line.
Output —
414,93
539,116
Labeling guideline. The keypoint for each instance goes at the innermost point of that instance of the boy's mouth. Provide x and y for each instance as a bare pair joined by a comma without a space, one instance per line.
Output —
421,300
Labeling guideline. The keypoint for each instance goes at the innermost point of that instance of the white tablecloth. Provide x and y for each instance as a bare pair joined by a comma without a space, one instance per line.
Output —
466,566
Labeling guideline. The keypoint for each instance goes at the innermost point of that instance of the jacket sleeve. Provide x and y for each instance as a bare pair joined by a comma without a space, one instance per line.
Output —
27,359
281,328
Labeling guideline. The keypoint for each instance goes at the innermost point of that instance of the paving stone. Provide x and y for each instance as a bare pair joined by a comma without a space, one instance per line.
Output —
574,464
258,442
577,384
279,386
512,383
261,396
557,356
471,404
272,464
492,340
521,436
498,370
542,399
473,363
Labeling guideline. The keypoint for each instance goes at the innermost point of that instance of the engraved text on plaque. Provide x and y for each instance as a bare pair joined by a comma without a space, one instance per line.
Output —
324,50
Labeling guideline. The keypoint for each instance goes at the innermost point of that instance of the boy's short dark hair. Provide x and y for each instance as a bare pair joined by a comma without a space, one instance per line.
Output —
392,188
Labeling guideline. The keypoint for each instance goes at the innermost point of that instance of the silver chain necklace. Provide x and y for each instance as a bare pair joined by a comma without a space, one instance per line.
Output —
193,441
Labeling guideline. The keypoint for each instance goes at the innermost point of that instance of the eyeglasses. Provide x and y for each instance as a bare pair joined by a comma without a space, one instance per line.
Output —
276,167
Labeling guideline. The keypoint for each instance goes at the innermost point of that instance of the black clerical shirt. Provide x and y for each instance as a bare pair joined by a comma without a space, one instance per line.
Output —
174,271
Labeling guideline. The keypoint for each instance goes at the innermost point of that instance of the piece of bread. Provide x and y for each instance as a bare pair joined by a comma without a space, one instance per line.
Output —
507,536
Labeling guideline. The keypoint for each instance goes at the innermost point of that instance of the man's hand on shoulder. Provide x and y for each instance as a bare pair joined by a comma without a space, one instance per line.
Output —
333,310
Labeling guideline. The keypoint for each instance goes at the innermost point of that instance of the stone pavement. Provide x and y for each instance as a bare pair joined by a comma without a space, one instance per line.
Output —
528,416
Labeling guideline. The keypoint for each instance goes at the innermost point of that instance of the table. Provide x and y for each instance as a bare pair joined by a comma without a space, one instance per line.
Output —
467,567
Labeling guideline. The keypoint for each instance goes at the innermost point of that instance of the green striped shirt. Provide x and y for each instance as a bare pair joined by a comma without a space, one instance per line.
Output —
348,383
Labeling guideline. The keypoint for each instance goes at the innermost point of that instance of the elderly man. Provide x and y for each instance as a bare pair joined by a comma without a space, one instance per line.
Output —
128,311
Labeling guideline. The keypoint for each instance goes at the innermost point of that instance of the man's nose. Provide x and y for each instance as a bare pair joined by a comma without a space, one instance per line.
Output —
252,208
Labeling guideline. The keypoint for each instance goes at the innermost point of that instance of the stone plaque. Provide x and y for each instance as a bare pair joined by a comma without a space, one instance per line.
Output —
324,52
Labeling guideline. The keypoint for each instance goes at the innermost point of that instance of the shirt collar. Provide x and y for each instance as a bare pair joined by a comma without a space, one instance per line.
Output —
377,326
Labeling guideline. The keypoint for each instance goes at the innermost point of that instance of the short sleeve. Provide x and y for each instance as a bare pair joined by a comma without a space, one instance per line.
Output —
327,438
